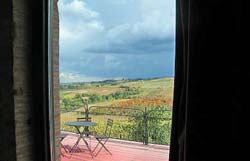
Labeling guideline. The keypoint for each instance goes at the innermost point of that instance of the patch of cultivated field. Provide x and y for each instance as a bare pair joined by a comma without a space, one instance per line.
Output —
90,90
162,87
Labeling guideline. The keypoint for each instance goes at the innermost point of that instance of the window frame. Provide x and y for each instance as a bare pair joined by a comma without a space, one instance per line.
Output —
42,77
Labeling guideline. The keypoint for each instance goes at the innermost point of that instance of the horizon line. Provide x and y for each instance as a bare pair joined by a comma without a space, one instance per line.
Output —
115,79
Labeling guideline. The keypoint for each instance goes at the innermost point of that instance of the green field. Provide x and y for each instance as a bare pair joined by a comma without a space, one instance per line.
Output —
154,88
152,96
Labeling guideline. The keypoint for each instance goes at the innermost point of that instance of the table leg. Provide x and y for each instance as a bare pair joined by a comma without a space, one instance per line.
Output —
78,140
76,144
88,147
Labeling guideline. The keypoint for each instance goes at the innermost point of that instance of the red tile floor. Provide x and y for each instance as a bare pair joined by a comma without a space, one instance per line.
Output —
121,151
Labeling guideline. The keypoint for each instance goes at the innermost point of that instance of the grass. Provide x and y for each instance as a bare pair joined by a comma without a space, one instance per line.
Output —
162,87
154,89
91,90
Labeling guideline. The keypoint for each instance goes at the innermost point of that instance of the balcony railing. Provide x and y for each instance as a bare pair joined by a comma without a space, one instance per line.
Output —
146,125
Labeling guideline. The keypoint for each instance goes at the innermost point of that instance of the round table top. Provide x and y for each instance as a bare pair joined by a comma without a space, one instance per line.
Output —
81,123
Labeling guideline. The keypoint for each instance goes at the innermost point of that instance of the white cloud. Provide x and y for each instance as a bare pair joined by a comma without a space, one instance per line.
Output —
73,77
77,9
68,77
78,24
81,28
112,27
156,20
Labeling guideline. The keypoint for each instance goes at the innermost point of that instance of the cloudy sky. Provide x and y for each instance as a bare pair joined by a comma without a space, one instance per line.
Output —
113,39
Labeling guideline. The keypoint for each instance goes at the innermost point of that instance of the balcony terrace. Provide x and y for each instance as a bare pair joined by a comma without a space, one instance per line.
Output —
121,151
137,134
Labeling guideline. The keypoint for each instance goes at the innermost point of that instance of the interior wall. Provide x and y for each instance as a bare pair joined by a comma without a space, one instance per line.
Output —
17,141
7,123
22,79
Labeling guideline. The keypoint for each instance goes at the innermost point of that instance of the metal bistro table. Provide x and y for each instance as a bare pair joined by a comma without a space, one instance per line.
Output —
78,125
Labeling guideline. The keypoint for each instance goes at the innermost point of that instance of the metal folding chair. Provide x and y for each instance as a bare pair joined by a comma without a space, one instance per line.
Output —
84,119
102,139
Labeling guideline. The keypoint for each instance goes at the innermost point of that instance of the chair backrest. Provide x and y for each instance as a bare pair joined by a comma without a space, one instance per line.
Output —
108,127
84,119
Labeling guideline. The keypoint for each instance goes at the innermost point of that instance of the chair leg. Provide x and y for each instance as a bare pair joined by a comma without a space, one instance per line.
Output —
96,145
103,146
64,148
